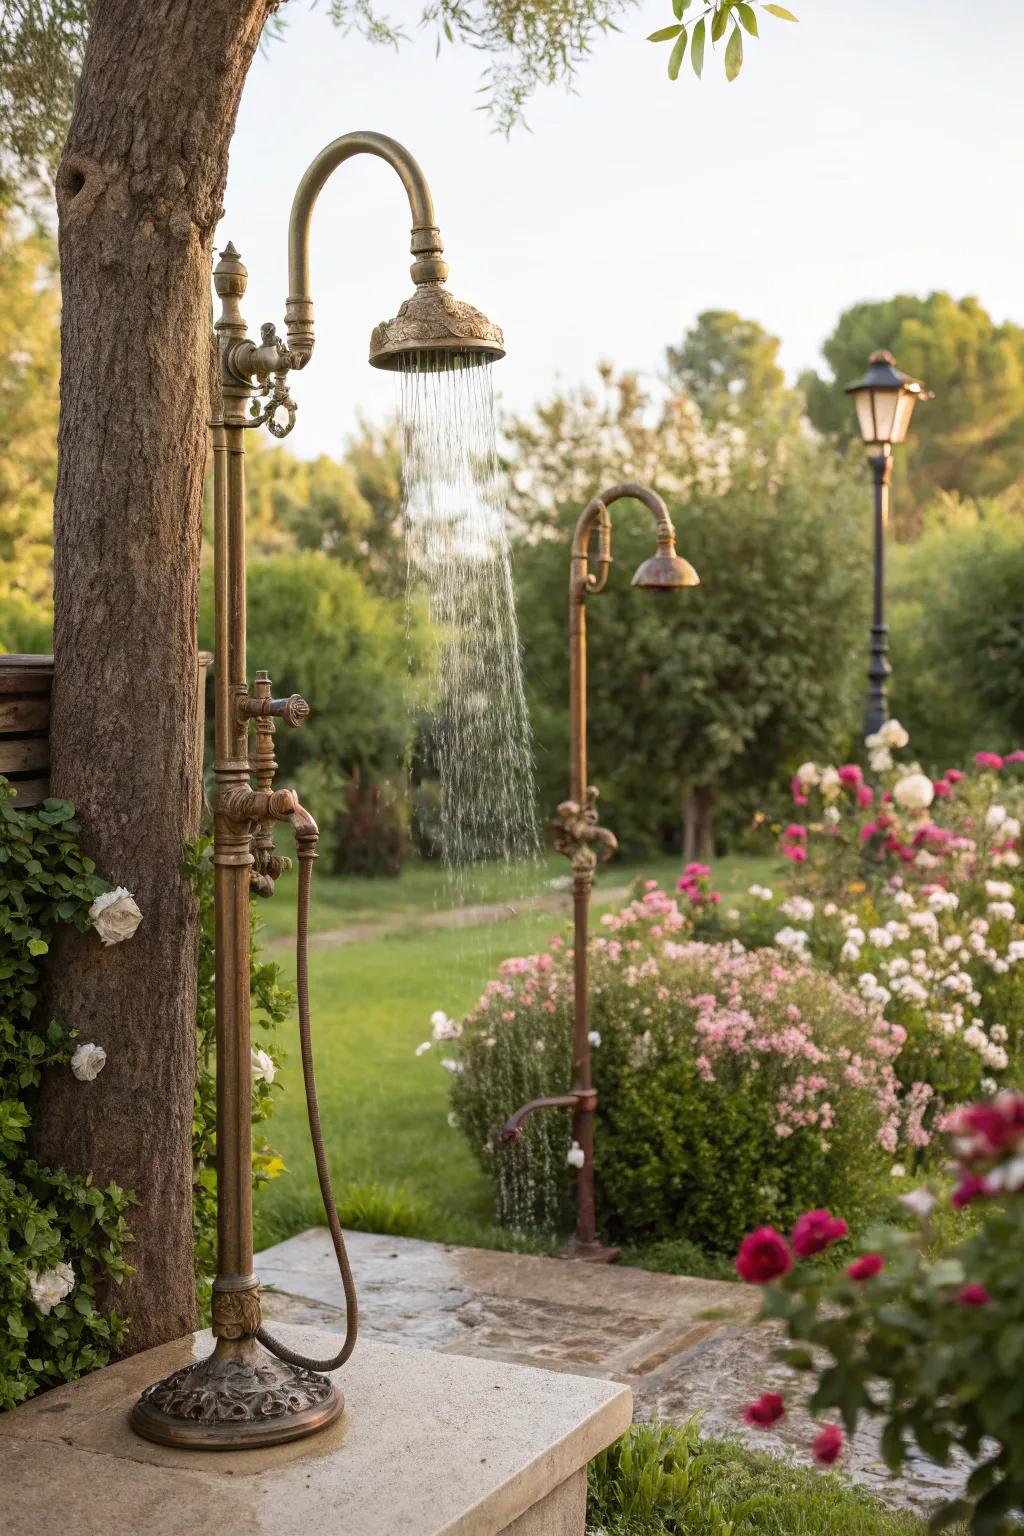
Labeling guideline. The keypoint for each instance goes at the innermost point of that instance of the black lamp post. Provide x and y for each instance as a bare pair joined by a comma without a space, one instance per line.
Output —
885,400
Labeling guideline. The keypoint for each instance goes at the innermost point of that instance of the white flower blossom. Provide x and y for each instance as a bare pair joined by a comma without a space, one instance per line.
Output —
807,775
830,784
998,890
451,1065
115,916
832,814
798,908
792,938
423,1046
88,1062
880,937
263,1068
444,1028
880,760
576,1157
919,1202
1006,858
894,735
995,816
1011,827
943,901
897,1171
1001,911
1015,951
51,1287
915,792
594,1037
760,892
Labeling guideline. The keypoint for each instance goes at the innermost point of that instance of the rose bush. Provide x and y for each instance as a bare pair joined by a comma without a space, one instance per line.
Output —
933,1346
731,1082
910,891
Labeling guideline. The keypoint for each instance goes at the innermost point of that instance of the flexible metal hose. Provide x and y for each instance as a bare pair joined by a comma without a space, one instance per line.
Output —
306,849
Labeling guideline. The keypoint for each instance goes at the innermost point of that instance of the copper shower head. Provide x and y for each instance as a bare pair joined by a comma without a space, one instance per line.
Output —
665,571
433,331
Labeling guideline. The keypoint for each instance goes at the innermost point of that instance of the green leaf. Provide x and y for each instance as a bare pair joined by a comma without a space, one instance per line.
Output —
676,57
734,54
697,48
664,33
679,6
780,11
719,22
38,947
747,17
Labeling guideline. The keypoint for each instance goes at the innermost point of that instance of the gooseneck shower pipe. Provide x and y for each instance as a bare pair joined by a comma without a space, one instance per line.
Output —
253,1390
575,831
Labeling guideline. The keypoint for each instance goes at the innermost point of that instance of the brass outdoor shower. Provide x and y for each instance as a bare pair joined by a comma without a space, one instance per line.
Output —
252,1390
575,829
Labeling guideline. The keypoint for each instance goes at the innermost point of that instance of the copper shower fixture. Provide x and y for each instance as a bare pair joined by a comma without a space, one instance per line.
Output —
252,1390
575,830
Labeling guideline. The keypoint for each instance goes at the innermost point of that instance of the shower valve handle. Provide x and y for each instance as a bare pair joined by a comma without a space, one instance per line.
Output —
292,710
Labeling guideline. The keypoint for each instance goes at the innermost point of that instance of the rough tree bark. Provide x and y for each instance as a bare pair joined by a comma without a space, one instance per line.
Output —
138,193
699,824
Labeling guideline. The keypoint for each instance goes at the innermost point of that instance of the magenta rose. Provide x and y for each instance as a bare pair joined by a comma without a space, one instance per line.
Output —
764,1255
815,1231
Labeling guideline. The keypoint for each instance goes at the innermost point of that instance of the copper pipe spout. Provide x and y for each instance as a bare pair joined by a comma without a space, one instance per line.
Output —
582,1099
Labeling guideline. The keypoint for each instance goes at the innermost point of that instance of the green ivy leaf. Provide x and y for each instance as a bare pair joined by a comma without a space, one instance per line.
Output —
676,57
664,33
734,54
780,11
697,48
747,17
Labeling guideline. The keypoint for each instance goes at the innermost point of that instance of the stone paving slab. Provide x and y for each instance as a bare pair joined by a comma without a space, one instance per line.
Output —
683,1345
428,1445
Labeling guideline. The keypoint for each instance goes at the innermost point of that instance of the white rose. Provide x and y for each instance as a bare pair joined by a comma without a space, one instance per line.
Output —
893,734
832,814
1011,827
880,760
791,938
995,816
51,1287
576,1157
898,1171
830,783
263,1068
874,741
1001,911
594,1037
915,793
88,1062
444,1028
919,1202
807,775
998,890
880,937
115,916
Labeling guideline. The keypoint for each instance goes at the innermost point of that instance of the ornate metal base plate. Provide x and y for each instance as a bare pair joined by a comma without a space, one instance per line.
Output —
589,1253
235,1400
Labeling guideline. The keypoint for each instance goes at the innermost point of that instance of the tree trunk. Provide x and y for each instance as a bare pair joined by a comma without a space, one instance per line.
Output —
139,194
699,824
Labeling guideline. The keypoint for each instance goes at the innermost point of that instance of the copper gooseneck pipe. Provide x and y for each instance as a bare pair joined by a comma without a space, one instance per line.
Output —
252,1390
576,833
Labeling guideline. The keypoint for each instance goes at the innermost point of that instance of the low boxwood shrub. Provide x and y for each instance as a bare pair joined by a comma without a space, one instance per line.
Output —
731,1082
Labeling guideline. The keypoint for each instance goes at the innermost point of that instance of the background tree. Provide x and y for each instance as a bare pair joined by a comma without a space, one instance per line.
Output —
30,307
969,440
727,365
712,694
957,612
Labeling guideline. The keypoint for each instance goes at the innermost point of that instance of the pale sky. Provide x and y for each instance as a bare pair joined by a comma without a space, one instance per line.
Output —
874,148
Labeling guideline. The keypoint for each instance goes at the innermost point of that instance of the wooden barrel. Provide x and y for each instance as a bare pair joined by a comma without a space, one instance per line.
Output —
25,723
25,726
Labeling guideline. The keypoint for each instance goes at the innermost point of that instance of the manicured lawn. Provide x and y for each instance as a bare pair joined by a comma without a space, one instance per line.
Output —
397,1164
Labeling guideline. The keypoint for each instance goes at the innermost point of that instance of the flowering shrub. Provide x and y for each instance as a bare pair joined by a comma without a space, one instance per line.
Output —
911,895
934,1347
728,1080
62,1240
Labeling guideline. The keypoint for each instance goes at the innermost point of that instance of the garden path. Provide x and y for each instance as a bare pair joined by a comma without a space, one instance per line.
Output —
452,917
684,1345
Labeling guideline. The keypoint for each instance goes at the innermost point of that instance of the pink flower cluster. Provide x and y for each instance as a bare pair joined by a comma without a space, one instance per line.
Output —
695,882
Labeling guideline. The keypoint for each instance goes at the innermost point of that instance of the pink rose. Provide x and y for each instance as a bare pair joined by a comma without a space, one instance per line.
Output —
815,1231
795,833
799,798
827,1447
941,788
973,1295
953,775
970,1188
988,760
865,796
764,1255
866,1267
795,853
850,775
768,1410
